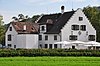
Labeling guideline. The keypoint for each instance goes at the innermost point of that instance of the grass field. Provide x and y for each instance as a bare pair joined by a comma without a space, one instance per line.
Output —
50,61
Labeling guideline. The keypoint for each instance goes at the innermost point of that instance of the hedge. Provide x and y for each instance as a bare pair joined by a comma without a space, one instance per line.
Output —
47,52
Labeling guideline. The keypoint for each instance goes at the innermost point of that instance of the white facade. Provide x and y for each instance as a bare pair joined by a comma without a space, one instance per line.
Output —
13,34
21,40
50,40
66,31
74,20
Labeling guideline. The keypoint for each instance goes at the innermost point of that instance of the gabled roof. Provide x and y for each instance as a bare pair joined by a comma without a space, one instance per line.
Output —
59,20
30,27
53,17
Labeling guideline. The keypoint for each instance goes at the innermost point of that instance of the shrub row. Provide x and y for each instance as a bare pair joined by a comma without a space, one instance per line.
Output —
47,52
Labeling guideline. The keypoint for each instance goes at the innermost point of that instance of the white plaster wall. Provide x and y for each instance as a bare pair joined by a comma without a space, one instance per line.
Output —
50,39
21,41
32,41
13,35
66,30
28,41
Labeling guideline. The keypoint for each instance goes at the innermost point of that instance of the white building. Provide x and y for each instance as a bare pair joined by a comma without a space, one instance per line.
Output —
22,35
65,26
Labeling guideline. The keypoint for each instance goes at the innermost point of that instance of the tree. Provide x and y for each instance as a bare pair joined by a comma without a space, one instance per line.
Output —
35,17
2,30
93,14
20,18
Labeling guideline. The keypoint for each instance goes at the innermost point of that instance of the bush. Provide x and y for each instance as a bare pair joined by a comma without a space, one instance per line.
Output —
47,52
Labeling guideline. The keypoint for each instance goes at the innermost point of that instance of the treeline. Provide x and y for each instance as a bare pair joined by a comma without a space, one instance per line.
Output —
47,52
93,14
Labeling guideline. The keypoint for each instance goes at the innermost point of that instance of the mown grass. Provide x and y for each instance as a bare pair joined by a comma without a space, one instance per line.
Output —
50,61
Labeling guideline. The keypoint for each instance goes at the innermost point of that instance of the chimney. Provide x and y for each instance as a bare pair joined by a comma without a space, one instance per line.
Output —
62,9
24,27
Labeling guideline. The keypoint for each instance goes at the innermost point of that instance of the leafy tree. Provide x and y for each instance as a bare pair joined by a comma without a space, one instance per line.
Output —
35,17
2,30
20,18
93,14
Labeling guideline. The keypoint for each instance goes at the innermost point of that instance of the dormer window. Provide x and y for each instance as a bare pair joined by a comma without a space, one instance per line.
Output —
49,21
43,28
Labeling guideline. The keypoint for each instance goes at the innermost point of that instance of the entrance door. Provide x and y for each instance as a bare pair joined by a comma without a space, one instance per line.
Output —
73,47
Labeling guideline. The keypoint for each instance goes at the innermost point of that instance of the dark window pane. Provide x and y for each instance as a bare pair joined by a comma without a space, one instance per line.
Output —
46,45
80,18
75,27
43,28
14,46
40,37
46,37
73,37
9,45
10,29
73,47
55,37
9,37
50,46
55,45
91,37
40,46
83,27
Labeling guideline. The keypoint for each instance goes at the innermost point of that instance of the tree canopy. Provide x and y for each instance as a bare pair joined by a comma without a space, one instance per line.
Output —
93,14
2,30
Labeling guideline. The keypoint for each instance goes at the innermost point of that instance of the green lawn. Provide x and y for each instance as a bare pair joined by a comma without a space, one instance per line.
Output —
50,61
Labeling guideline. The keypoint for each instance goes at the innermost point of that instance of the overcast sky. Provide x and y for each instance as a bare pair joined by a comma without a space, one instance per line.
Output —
10,8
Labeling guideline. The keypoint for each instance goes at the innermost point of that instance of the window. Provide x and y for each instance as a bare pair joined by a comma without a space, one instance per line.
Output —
73,47
9,45
40,46
73,37
9,37
91,37
55,45
80,18
46,45
75,27
40,37
55,37
42,28
83,27
10,29
46,37
14,46
50,46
